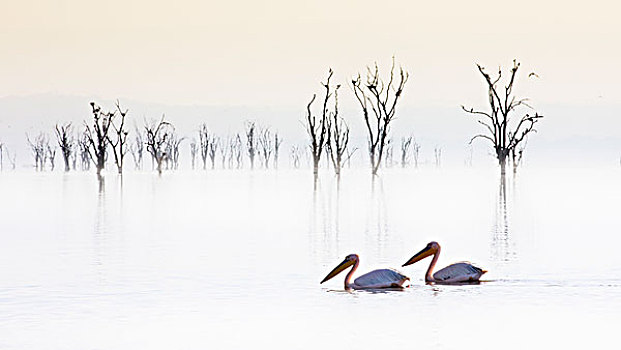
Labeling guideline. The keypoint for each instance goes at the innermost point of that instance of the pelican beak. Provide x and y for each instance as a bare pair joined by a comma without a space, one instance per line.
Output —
342,266
420,256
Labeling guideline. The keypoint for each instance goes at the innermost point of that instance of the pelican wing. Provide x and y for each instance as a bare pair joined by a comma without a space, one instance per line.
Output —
459,272
382,278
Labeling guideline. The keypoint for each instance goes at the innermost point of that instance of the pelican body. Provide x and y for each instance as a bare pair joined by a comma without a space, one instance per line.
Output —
461,272
376,279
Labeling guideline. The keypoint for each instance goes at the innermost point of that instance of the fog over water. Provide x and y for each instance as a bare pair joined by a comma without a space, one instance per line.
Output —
233,258
230,259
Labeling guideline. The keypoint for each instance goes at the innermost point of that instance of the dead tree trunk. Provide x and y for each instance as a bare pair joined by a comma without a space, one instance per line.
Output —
437,153
338,137
137,149
64,137
38,149
224,150
214,143
251,142
295,156
238,149
119,145
51,155
84,147
406,143
503,135
380,99
157,137
172,150
98,136
204,139
318,128
266,147
277,142
193,150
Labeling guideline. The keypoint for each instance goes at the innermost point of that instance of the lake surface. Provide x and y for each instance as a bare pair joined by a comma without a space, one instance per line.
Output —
233,259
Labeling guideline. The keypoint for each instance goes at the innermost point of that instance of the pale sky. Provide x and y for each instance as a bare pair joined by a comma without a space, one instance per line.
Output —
270,56
275,52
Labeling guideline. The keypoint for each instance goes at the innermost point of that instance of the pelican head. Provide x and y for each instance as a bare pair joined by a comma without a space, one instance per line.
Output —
349,261
430,249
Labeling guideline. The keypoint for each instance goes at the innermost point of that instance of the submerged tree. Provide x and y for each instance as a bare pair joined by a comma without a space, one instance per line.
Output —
38,146
504,135
204,140
318,127
172,150
266,146
193,151
137,148
83,147
380,99
64,138
158,134
406,143
338,137
214,143
97,136
237,148
251,141
277,143
119,144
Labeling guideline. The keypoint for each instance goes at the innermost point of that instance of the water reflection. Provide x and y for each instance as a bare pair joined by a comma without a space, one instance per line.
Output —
502,245
376,228
324,221
100,228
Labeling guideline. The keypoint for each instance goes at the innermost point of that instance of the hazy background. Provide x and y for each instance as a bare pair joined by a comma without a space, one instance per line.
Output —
225,62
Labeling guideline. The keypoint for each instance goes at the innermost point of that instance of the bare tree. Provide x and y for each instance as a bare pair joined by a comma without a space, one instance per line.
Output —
224,150
381,99
84,147
64,138
389,153
39,149
137,148
1,154
318,128
158,134
251,141
406,143
193,151
51,155
9,157
277,143
237,147
98,136
204,139
119,144
172,150
232,144
437,153
266,146
503,135
338,136
214,143
295,156
415,152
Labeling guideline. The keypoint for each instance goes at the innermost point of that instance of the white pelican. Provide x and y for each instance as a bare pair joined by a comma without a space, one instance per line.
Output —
382,278
456,273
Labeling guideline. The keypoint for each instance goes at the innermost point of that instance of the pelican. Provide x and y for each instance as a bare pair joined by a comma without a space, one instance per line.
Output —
382,278
456,273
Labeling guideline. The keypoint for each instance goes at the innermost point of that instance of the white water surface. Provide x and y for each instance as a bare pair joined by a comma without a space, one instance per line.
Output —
233,259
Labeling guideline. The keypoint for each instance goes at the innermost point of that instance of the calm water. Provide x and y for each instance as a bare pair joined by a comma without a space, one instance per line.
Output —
229,259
